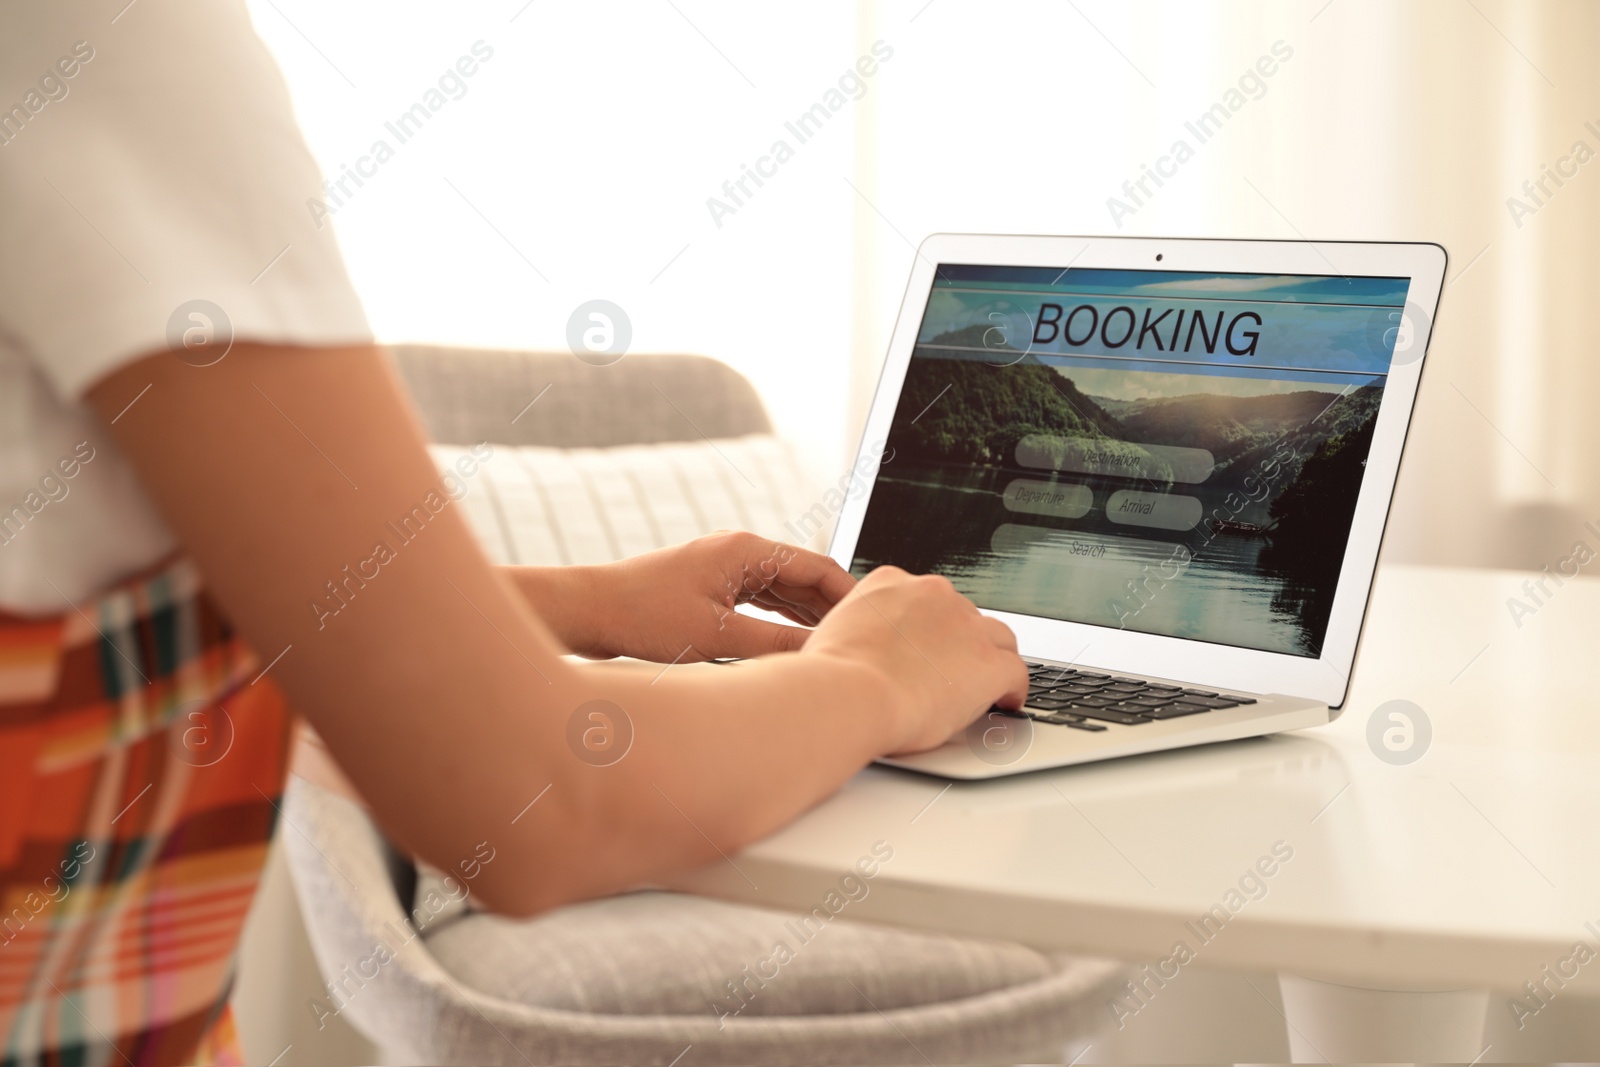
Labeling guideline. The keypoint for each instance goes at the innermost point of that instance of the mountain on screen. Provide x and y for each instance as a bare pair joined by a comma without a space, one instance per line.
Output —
1241,431
969,411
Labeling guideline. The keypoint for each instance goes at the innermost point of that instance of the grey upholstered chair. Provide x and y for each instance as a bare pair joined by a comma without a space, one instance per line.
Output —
643,977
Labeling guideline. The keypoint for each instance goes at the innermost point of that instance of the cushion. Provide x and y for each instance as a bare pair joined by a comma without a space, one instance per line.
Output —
854,992
557,506
655,953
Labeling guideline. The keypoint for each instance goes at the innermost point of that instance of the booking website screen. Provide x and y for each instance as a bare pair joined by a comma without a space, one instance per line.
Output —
1170,453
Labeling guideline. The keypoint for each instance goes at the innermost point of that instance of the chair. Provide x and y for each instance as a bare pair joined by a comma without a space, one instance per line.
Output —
644,977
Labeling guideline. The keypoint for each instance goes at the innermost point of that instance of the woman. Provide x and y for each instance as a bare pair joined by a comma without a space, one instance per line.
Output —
178,494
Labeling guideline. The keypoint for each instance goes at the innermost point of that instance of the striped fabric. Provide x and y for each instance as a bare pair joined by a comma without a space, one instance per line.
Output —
554,506
142,755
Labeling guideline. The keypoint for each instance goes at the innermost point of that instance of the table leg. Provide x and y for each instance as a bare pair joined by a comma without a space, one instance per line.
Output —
1341,1023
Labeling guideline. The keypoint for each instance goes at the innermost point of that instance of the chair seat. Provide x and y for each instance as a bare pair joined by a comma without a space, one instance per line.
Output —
660,954
656,953
641,978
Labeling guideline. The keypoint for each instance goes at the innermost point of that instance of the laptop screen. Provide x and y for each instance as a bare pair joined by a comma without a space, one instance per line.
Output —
1171,453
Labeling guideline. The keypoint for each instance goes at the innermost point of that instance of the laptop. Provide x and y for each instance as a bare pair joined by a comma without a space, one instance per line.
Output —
1165,464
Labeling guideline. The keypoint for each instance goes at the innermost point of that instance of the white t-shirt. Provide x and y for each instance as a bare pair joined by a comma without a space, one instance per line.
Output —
149,158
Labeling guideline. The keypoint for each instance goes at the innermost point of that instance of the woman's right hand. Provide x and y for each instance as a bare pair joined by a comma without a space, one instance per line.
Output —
941,660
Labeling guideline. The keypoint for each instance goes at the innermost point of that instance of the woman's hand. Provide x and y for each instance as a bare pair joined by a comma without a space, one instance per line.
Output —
941,662
677,604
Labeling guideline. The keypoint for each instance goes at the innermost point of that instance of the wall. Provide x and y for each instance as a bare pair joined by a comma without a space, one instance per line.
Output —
1413,122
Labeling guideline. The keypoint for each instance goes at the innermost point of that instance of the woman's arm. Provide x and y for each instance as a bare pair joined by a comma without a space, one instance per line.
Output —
298,481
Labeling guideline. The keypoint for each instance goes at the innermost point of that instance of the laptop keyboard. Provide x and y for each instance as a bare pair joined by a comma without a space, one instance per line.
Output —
1087,700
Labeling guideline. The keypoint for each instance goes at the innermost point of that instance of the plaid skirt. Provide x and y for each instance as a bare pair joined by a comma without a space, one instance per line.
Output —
142,757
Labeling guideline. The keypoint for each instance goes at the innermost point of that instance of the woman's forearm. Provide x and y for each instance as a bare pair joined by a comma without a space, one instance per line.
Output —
566,599
708,758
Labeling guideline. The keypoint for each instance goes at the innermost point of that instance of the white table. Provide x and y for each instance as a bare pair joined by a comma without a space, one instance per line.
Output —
1412,890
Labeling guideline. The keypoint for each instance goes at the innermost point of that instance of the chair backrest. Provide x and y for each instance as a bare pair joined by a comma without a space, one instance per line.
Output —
467,395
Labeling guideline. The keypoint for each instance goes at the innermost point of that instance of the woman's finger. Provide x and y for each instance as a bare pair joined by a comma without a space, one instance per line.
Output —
744,637
801,568
788,611
1001,634
808,600
810,596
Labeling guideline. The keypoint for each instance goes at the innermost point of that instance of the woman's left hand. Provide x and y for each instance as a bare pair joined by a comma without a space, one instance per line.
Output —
677,604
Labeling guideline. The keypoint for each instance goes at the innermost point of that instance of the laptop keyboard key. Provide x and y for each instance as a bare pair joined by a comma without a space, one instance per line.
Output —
1081,725
1174,711
1122,718
1058,692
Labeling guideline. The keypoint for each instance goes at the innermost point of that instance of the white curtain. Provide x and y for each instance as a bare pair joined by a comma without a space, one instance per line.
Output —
1387,121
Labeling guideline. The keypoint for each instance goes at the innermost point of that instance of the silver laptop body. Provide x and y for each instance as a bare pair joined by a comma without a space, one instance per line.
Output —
1115,446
